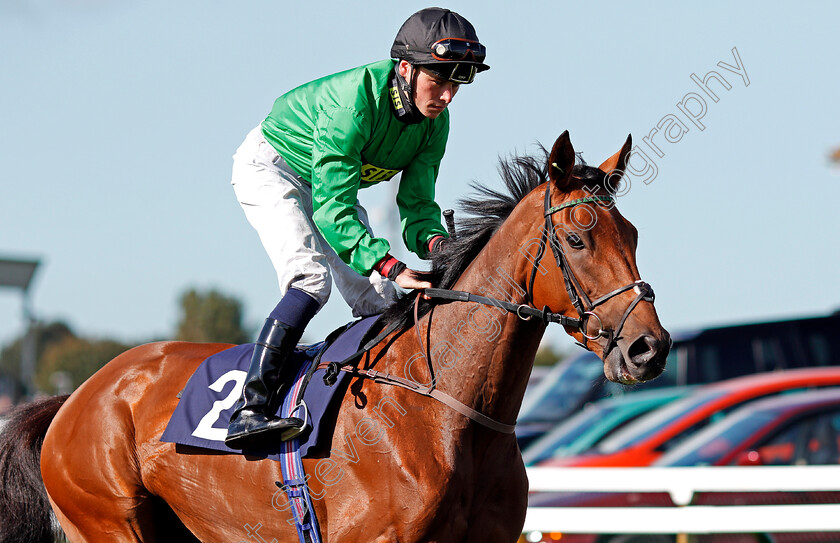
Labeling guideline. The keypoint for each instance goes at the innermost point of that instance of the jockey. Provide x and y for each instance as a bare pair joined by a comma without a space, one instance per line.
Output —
297,176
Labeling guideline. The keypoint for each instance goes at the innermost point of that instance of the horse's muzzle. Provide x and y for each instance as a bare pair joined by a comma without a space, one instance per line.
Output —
642,360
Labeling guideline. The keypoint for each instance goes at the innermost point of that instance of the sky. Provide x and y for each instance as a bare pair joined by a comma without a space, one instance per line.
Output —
118,121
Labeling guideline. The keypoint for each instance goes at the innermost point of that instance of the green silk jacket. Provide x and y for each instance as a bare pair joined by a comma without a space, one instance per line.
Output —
340,134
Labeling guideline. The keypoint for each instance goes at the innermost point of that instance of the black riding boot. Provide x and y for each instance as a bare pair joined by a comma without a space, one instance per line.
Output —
269,376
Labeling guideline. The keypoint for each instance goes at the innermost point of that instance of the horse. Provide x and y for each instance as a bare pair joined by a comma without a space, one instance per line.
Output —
402,466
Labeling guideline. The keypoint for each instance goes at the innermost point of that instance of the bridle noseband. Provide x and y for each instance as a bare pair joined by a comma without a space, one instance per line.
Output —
577,296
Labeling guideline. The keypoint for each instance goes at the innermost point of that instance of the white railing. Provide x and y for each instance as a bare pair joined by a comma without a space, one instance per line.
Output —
681,484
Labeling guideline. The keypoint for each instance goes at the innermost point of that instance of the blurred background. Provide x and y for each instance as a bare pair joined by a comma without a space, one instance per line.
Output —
118,225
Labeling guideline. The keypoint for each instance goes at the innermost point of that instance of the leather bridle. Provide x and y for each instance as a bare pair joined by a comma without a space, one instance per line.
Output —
577,295
584,306
525,311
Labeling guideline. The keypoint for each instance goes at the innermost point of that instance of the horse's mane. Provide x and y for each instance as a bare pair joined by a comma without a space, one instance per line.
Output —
487,210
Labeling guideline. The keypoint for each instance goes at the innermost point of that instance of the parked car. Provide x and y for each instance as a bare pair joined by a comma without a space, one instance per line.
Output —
643,441
792,430
697,357
538,373
595,422
801,428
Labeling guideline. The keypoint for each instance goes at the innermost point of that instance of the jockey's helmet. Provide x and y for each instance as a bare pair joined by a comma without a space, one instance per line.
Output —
442,42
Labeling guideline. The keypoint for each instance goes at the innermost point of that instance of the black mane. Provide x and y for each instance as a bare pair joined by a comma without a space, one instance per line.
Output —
486,210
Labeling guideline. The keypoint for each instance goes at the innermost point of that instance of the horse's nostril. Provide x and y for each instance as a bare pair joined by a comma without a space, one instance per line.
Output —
648,356
642,350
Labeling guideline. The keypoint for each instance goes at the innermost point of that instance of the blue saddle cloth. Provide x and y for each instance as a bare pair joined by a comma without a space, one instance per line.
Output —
206,405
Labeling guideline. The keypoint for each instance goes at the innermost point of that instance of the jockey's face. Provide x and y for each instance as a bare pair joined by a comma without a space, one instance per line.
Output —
431,93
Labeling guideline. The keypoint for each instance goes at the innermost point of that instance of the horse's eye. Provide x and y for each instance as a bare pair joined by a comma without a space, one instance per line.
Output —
574,241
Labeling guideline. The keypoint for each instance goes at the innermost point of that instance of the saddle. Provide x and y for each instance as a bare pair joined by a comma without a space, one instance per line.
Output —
201,418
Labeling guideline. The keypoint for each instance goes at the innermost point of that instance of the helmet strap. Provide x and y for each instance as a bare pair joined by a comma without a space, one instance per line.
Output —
401,97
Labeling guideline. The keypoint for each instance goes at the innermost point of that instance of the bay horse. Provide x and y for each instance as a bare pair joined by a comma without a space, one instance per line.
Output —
402,466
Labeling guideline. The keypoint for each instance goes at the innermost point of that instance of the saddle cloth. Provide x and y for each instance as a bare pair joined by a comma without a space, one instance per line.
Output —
207,402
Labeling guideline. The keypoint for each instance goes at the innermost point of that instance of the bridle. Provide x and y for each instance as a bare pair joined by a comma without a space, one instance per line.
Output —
577,295
525,311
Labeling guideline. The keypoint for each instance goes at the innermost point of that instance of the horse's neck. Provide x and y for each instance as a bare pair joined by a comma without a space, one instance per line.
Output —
482,354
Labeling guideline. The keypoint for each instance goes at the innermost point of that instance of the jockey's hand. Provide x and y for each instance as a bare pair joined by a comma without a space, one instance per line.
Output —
409,280
401,274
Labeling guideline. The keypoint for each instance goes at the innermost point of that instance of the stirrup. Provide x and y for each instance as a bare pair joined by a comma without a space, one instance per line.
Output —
264,435
292,433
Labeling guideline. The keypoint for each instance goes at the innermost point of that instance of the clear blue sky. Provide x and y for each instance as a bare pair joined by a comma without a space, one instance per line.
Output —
118,121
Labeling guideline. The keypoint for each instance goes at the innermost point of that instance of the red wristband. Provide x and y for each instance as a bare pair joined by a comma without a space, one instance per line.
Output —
431,245
384,266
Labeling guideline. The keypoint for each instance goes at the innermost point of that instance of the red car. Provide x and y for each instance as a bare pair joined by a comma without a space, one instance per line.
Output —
799,429
642,442
791,429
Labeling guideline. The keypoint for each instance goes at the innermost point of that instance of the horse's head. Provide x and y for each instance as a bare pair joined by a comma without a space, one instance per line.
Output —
587,267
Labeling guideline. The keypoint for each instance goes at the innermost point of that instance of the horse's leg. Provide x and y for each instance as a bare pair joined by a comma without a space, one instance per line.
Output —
95,492
95,525
499,503
151,521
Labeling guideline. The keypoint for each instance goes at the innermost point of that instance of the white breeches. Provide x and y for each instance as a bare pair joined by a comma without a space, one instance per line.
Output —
278,204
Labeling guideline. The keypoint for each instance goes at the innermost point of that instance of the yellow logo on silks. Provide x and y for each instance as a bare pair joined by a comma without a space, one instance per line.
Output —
395,97
373,174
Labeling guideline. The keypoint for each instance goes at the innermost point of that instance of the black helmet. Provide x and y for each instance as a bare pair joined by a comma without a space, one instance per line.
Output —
441,41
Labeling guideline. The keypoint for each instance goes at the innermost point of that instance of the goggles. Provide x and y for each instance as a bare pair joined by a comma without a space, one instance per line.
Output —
461,73
455,49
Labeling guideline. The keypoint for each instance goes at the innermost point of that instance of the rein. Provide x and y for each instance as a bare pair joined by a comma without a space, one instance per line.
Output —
525,311
428,391
348,365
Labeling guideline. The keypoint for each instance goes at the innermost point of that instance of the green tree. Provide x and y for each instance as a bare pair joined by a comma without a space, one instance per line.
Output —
547,356
68,363
46,334
210,316
63,360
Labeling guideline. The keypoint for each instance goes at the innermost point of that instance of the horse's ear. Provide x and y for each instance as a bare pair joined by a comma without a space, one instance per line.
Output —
619,160
561,161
